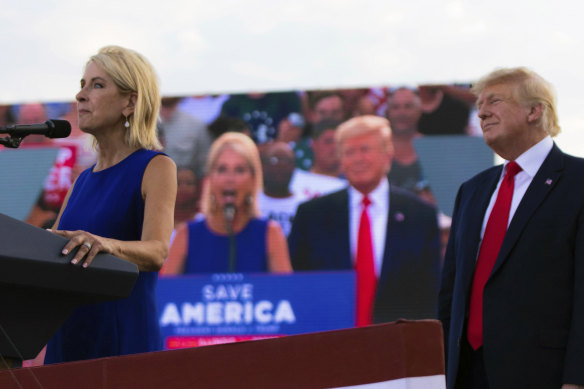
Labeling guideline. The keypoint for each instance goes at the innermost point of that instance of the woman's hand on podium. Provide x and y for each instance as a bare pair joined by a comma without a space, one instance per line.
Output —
89,246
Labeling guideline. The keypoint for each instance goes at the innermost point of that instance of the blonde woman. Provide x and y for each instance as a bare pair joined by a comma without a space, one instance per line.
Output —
123,205
230,237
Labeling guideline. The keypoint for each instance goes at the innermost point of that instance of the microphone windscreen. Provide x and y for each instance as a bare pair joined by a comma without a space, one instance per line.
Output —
58,128
229,211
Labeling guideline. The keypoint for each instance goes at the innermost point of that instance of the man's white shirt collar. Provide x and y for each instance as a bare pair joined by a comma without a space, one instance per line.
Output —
531,160
379,195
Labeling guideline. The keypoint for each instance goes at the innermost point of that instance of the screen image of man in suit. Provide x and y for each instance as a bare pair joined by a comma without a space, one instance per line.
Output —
400,276
512,295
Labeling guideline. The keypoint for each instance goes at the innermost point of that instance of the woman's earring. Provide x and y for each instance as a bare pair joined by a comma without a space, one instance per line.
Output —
127,123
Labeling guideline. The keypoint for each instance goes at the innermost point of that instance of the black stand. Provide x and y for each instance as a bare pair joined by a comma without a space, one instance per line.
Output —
229,213
11,142
39,288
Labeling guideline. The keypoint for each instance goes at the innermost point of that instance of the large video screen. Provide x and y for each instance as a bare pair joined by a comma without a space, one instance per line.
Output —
437,144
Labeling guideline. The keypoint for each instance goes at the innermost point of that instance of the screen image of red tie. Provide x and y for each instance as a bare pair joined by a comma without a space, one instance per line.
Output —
366,279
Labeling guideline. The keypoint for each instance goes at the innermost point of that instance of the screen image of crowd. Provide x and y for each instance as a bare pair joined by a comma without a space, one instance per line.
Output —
304,230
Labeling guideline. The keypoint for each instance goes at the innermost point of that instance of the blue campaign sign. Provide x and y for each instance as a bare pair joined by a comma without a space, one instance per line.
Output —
233,307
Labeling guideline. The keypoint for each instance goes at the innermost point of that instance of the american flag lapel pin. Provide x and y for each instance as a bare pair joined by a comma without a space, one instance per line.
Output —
548,181
399,217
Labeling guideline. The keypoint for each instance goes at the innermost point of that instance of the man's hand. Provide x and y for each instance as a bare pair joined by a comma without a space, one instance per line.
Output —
572,386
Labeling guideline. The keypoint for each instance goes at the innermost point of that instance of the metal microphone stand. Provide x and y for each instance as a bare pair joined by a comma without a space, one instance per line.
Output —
229,213
11,142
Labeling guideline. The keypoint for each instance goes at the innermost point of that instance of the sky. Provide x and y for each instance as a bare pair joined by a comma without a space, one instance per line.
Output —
226,46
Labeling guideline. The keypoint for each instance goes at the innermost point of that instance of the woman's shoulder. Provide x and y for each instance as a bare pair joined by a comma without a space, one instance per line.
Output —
261,225
273,227
149,157
143,160
159,166
260,221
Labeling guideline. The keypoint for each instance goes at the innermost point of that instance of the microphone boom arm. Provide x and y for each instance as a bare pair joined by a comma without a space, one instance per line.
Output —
11,141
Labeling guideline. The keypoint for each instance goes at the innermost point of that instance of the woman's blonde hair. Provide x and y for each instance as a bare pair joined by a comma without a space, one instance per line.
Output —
247,149
132,73
530,89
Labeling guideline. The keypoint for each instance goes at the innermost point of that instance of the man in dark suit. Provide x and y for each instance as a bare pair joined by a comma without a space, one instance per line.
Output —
513,311
404,240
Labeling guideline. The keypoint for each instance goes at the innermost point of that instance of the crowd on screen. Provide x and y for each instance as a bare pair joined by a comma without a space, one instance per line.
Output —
294,135
294,132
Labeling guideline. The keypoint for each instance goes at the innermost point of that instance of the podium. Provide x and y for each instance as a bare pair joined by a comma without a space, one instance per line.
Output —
404,354
39,288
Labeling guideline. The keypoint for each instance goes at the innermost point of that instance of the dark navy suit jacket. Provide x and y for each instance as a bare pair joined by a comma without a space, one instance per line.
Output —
533,324
410,274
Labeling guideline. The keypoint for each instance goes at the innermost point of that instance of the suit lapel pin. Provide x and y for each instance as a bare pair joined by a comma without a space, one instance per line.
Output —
399,217
548,181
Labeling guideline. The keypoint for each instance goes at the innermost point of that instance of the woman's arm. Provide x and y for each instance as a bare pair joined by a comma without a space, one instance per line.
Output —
63,206
175,263
159,193
278,255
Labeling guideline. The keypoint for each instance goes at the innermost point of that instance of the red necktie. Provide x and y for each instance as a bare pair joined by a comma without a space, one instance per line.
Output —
366,279
490,246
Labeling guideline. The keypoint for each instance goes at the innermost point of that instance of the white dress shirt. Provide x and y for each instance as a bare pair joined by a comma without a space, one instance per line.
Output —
378,212
530,162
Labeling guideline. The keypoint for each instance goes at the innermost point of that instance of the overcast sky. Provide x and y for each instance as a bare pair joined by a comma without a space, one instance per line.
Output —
212,46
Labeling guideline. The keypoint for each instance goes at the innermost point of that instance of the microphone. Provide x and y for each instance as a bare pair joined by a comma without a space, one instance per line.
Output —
51,129
229,212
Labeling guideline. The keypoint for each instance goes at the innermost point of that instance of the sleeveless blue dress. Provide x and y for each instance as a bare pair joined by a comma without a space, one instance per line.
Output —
208,252
109,203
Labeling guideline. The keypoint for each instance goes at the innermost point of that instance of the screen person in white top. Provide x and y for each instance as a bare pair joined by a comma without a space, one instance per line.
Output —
277,201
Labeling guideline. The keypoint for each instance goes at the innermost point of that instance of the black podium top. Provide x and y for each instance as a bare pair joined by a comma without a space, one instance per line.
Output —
39,287
31,256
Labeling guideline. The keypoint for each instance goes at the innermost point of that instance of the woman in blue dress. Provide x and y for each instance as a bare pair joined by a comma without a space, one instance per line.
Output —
230,236
123,205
